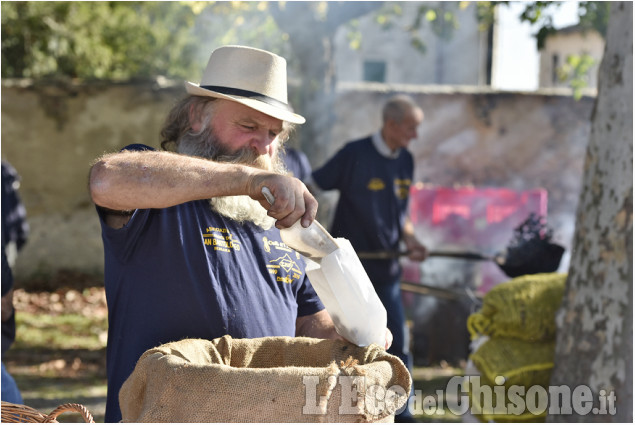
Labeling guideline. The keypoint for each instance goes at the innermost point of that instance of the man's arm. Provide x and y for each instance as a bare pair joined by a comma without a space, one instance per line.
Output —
320,325
133,180
317,325
418,251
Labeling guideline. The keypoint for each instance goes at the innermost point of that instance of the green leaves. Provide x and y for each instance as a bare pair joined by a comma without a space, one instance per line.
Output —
594,14
138,40
97,40
576,72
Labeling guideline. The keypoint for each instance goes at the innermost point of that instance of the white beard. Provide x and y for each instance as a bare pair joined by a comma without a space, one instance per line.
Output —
240,208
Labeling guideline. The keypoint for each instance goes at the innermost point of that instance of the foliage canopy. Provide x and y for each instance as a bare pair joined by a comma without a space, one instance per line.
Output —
138,40
96,40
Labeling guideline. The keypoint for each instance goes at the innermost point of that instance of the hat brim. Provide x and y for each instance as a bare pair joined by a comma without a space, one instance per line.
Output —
265,108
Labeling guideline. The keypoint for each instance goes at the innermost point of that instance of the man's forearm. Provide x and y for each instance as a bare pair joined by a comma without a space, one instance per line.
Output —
132,180
318,325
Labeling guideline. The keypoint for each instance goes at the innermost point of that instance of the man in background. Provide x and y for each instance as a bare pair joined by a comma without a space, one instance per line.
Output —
297,163
373,176
15,230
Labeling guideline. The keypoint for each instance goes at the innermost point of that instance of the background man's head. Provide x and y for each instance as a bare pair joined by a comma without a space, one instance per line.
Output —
401,118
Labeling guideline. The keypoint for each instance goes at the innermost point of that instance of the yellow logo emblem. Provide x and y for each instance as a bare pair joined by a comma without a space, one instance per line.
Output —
285,263
220,239
402,188
376,184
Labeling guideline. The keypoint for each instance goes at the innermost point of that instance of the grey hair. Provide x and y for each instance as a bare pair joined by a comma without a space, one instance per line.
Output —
177,123
397,107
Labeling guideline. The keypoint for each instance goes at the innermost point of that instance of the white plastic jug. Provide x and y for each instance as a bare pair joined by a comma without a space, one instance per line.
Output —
348,295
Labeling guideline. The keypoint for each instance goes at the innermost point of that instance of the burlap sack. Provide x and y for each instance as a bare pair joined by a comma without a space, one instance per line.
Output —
273,379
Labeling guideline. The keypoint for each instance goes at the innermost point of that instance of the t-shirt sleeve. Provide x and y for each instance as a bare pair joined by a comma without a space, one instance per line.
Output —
125,237
7,275
329,176
308,301
305,166
138,147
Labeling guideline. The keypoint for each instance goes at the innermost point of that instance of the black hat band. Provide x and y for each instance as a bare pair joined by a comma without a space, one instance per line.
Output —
249,94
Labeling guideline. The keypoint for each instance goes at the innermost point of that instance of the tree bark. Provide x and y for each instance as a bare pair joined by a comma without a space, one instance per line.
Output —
594,346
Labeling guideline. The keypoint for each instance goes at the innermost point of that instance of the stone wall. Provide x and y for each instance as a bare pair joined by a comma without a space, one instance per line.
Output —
485,138
51,134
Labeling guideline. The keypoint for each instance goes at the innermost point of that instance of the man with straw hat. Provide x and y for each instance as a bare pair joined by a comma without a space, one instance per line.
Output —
189,239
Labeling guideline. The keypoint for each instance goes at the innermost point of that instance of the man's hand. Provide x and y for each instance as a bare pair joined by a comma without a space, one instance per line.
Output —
417,251
289,202
320,325
388,339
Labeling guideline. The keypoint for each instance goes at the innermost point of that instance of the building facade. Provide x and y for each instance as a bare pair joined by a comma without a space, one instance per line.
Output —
569,42
456,52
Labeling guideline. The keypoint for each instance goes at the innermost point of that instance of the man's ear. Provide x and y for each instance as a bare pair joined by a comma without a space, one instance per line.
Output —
195,119
390,124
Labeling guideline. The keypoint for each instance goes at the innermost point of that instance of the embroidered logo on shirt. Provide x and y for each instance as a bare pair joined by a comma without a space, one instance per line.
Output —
285,264
268,243
376,184
284,268
402,188
221,239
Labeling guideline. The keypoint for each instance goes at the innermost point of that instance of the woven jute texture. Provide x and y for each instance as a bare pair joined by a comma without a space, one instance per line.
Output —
273,379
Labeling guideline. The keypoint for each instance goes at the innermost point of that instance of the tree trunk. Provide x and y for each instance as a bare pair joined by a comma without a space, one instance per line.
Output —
594,347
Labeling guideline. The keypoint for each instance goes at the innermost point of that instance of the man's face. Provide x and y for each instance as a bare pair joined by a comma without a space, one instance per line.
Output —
240,127
401,133
238,134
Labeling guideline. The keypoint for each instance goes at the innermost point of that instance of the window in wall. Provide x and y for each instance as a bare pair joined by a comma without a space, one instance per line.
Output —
555,63
375,71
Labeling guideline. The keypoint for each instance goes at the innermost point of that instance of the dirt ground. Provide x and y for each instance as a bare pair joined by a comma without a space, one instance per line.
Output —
59,355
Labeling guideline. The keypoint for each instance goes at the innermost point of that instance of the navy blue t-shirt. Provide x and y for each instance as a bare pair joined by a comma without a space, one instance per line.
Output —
187,272
297,163
372,204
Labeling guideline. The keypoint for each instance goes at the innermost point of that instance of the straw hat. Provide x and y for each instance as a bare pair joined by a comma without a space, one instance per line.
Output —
253,77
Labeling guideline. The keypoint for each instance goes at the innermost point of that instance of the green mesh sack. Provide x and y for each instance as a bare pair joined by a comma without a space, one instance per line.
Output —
516,368
519,362
522,308
486,406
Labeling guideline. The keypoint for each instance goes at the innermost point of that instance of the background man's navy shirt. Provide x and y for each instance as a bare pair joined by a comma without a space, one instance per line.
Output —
373,201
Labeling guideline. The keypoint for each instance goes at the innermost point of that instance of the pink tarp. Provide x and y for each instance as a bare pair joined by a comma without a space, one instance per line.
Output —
470,219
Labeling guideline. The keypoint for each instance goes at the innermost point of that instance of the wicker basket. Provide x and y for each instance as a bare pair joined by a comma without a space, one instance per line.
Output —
17,413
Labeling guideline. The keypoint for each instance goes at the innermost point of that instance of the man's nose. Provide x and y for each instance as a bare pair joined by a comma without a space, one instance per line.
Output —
261,142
